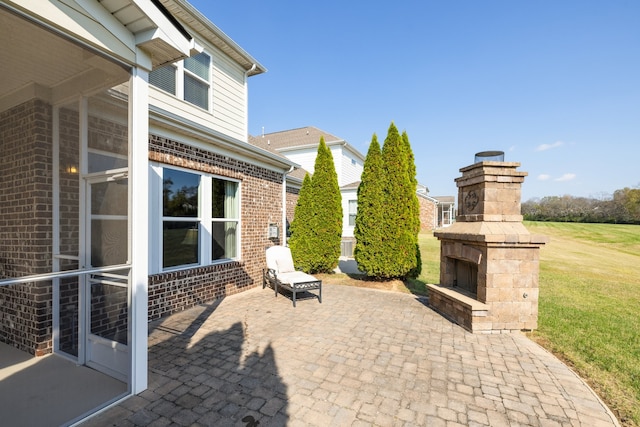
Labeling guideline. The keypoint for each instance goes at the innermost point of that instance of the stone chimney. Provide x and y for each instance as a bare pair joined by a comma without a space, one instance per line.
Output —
489,261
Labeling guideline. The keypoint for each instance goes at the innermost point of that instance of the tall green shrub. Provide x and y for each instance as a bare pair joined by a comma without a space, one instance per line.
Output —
369,229
301,232
401,235
320,251
415,203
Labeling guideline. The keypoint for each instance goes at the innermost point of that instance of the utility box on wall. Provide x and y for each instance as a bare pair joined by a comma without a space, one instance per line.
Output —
273,231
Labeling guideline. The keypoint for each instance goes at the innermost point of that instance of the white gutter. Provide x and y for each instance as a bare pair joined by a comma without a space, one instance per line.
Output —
246,98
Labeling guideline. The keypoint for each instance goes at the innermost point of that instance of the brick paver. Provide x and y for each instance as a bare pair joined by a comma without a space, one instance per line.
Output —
362,357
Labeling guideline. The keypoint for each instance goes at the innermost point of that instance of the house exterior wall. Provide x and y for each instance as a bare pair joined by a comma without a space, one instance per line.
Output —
351,168
25,225
428,212
261,204
347,230
292,200
227,112
305,157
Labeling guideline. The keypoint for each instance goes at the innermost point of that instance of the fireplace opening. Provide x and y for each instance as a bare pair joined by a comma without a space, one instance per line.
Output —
466,276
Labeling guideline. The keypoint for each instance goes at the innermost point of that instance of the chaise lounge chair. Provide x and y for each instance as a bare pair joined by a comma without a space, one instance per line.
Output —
280,273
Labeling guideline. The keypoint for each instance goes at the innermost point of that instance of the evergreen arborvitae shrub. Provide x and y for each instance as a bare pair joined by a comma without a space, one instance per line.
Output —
401,235
300,229
369,228
317,247
415,214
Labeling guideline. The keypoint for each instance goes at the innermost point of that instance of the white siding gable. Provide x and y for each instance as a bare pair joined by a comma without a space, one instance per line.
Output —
305,157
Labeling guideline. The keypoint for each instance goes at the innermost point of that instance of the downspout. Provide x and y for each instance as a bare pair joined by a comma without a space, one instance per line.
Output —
246,99
284,205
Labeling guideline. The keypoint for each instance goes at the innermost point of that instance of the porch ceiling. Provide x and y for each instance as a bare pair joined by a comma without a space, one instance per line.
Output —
36,60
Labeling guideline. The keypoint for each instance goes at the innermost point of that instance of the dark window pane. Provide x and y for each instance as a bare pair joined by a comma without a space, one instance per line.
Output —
198,65
164,78
224,240
196,92
224,200
179,243
180,193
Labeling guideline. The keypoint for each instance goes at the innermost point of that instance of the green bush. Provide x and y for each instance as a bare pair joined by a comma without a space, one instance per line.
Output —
369,229
317,223
400,198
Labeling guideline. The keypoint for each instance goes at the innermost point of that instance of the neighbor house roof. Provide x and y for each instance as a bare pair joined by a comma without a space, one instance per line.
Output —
295,138
298,173
445,199
352,186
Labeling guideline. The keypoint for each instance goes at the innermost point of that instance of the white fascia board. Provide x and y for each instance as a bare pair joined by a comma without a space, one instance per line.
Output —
181,127
165,30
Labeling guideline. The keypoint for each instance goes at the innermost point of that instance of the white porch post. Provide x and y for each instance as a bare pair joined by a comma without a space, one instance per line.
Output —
139,216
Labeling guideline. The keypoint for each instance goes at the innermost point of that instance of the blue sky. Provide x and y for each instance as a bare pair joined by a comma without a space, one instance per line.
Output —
553,84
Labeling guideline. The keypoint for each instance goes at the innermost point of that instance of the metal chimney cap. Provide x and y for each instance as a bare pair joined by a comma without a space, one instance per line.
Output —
486,156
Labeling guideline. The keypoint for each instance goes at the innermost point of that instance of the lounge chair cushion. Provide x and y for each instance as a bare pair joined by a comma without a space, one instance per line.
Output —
293,277
285,264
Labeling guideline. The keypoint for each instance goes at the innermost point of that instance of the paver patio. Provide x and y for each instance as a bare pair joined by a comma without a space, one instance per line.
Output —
362,357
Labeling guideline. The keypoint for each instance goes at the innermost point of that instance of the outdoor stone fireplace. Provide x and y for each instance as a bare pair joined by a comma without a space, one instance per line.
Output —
488,260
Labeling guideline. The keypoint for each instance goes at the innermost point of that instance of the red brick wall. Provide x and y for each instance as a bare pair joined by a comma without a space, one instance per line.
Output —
261,204
25,225
427,214
292,201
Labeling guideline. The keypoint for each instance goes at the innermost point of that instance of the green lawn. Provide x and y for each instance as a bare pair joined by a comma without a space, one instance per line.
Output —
589,309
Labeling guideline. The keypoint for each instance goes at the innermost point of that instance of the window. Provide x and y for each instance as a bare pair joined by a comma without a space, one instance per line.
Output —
353,210
200,218
164,78
180,221
189,79
196,80
224,218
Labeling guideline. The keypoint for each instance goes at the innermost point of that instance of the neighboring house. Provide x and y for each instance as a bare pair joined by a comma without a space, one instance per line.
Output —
446,214
129,190
301,146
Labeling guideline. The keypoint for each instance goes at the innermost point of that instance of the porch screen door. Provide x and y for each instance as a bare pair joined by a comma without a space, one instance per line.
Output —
108,293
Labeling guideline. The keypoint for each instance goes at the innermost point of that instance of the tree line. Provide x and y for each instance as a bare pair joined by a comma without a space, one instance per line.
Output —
621,208
388,218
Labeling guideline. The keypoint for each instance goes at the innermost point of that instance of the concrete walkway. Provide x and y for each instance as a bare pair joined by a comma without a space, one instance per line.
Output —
362,357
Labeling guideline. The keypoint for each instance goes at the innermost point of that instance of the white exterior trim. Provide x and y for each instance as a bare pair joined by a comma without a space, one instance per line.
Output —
138,223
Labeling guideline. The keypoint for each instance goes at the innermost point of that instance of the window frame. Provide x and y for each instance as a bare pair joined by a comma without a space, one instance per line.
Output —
180,71
350,215
204,219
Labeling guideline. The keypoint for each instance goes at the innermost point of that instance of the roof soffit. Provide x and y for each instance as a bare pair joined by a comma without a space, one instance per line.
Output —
154,31
195,20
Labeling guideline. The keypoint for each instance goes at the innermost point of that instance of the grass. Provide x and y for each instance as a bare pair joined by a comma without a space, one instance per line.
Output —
589,307
589,302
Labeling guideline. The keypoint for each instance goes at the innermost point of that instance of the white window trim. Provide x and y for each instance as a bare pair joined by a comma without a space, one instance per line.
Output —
204,219
180,71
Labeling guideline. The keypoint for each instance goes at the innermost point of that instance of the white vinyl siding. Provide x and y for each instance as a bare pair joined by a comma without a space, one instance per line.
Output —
226,112
349,202
351,168
306,158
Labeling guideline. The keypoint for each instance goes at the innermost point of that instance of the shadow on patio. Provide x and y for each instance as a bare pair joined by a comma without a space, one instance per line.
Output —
202,374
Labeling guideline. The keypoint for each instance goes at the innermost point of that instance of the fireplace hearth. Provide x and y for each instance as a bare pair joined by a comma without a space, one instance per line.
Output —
489,261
